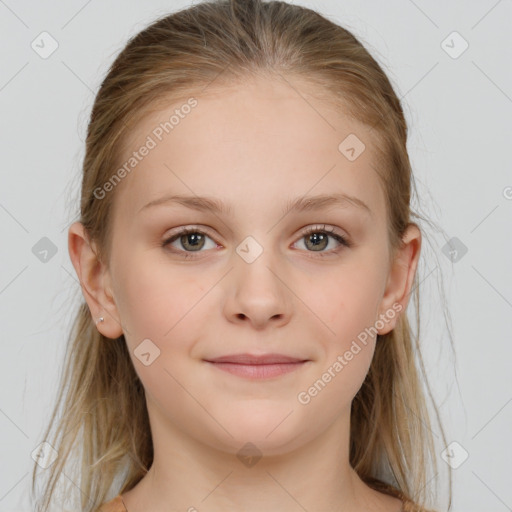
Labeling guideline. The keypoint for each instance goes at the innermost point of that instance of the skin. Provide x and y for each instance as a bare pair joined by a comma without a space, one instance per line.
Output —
254,146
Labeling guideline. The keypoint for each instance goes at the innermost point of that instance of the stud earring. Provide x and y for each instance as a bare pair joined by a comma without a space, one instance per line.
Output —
100,319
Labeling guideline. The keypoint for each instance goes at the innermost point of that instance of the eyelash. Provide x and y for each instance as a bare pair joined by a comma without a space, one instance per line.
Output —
313,229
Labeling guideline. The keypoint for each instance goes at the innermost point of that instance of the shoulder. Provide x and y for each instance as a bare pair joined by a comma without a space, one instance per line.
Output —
114,505
407,504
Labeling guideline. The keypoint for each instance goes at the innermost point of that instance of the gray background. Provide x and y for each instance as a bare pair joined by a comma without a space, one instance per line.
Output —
458,106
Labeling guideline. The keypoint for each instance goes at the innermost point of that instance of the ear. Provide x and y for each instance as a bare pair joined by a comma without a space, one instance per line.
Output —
95,281
401,276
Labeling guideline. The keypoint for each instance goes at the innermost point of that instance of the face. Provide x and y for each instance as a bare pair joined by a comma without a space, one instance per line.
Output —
256,276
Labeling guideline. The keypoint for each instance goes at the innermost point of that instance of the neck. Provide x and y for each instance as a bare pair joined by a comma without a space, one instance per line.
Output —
188,474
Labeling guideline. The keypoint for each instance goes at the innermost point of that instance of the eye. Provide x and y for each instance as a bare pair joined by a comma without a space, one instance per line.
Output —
317,238
190,240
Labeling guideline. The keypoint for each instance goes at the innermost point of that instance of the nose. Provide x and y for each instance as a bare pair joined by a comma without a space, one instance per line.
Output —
258,295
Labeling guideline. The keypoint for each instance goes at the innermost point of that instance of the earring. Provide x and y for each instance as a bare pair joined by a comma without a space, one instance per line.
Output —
100,319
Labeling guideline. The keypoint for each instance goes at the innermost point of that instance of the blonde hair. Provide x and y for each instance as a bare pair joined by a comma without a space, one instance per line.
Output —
103,422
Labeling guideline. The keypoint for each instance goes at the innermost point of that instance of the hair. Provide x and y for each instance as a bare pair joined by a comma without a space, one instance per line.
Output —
101,398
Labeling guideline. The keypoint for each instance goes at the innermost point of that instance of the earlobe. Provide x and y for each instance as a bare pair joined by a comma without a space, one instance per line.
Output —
400,278
94,280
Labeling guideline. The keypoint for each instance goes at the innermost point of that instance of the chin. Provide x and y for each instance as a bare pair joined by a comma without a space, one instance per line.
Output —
266,431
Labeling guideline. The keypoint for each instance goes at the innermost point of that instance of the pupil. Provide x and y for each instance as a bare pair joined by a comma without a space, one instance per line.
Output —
317,239
193,240
193,237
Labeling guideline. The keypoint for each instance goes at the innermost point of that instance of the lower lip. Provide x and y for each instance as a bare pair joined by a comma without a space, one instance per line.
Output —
259,371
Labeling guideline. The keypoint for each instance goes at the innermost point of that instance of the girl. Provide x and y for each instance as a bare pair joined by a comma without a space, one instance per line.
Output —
246,254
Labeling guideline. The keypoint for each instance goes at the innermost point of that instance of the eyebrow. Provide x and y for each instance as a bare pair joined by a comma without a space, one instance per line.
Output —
300,204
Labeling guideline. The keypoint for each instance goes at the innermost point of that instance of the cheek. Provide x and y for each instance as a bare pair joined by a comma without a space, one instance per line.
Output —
348,299
163,307
156,302
349,308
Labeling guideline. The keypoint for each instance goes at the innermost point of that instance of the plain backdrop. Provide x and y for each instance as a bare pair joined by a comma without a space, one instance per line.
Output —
449,63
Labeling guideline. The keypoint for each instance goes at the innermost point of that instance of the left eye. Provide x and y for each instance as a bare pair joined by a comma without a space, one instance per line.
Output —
318,239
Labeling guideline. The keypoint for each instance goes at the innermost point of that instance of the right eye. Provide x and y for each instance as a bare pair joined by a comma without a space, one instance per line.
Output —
190,239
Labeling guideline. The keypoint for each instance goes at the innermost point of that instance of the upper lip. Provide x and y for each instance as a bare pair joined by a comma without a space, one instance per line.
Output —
256,359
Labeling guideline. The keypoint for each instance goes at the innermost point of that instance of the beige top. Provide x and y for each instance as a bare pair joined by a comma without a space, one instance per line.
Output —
117,505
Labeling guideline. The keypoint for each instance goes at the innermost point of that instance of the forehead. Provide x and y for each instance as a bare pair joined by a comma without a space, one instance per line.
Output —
257,142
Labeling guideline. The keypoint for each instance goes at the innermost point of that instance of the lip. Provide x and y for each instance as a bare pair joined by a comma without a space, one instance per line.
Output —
255,359
263,366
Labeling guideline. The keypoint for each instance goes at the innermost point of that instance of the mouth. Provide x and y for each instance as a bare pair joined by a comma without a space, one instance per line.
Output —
257,366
